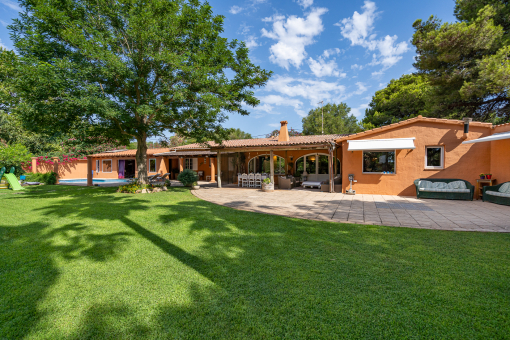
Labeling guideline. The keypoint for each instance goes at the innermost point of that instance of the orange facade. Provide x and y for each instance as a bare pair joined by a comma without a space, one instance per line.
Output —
460,161
500,156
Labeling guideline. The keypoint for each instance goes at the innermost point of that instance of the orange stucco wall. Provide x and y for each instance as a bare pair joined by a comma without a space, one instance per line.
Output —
460,161
72,170
500,156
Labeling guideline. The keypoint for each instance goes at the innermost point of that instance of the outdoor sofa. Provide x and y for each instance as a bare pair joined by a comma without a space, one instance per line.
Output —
444,188
499,194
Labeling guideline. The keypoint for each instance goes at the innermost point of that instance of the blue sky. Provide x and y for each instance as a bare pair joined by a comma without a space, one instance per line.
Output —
319,50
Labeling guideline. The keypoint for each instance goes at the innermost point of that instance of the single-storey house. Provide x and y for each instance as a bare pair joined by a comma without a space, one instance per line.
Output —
384,160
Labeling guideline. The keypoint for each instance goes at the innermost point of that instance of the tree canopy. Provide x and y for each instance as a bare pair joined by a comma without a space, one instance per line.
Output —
336,120
467,63
401,99
463,69
131,69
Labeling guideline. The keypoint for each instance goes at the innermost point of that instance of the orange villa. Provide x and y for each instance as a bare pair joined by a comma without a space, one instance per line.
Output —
383,161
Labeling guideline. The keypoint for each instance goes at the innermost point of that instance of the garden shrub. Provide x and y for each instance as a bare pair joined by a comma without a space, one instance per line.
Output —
16,156
134,186
187,177
49,178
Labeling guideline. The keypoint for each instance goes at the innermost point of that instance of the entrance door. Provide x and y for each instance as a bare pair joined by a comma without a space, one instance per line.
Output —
227,168
130,168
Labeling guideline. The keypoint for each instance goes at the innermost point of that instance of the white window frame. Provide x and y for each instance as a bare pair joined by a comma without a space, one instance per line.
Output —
188,163
98,170
442,157
102,167
155,165
377,173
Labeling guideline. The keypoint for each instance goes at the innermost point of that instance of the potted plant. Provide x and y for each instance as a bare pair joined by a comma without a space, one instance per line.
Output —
267,185
488,176
482,176
195,186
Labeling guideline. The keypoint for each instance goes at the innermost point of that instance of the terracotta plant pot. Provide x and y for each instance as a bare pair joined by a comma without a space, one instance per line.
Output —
482,177
268,187
488,176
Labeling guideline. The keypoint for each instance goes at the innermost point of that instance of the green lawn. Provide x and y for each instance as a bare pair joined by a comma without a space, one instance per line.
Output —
88,263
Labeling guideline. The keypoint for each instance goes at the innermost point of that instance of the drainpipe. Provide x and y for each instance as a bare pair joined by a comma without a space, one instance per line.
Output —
466,127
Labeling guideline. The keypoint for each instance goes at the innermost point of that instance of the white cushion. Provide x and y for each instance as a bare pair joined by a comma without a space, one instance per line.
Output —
498,193
505,188
457,185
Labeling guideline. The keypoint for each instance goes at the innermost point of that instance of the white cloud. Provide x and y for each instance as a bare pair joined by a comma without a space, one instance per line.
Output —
322,68
4,23
305,3
268,103
236,9
361,88
331,51
381,85
274,125
251,42
313,90
359,111
356,67
11,4
358,29
293,35
244,29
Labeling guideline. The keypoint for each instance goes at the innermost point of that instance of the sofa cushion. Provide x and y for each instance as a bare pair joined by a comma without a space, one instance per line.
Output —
457,185
423,184
498,193
446,190
505,188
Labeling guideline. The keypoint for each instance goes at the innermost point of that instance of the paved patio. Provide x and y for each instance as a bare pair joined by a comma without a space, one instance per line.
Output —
365,209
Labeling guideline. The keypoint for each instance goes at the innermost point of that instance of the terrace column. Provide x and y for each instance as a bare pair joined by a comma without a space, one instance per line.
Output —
34,165
181,166
219,169
213,170
271,165
89,171
330,169
304,167
55,166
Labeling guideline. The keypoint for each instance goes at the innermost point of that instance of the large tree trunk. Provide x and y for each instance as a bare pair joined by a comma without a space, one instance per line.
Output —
141,159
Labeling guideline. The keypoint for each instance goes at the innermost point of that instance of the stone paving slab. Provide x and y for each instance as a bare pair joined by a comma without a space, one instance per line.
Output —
384,210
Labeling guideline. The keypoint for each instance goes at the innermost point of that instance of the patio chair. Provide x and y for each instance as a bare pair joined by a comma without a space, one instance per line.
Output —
286,182
239,180
251,180
258,180
244,179
337,182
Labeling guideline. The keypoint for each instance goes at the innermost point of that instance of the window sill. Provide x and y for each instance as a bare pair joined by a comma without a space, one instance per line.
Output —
433,169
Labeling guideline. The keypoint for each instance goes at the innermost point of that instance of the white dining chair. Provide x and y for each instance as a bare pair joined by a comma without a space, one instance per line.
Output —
251,180
239,179
258,180
244,179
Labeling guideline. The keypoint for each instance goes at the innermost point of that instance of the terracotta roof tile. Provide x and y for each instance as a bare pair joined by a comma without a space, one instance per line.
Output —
130,153
411,121
186,153
257,142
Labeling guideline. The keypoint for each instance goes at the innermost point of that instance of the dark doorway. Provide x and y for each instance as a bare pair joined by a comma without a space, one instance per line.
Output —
130,169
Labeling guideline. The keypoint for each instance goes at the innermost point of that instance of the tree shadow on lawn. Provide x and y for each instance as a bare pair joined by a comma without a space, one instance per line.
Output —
28,269
277,277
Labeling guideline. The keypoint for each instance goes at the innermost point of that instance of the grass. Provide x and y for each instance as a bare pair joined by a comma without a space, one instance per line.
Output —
88,263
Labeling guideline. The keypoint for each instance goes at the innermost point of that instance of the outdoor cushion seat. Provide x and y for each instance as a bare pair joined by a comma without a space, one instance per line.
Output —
444,188
499,194
311,184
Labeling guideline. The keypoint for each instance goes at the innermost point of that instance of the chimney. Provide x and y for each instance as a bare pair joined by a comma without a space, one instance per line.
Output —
466,127
284,132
